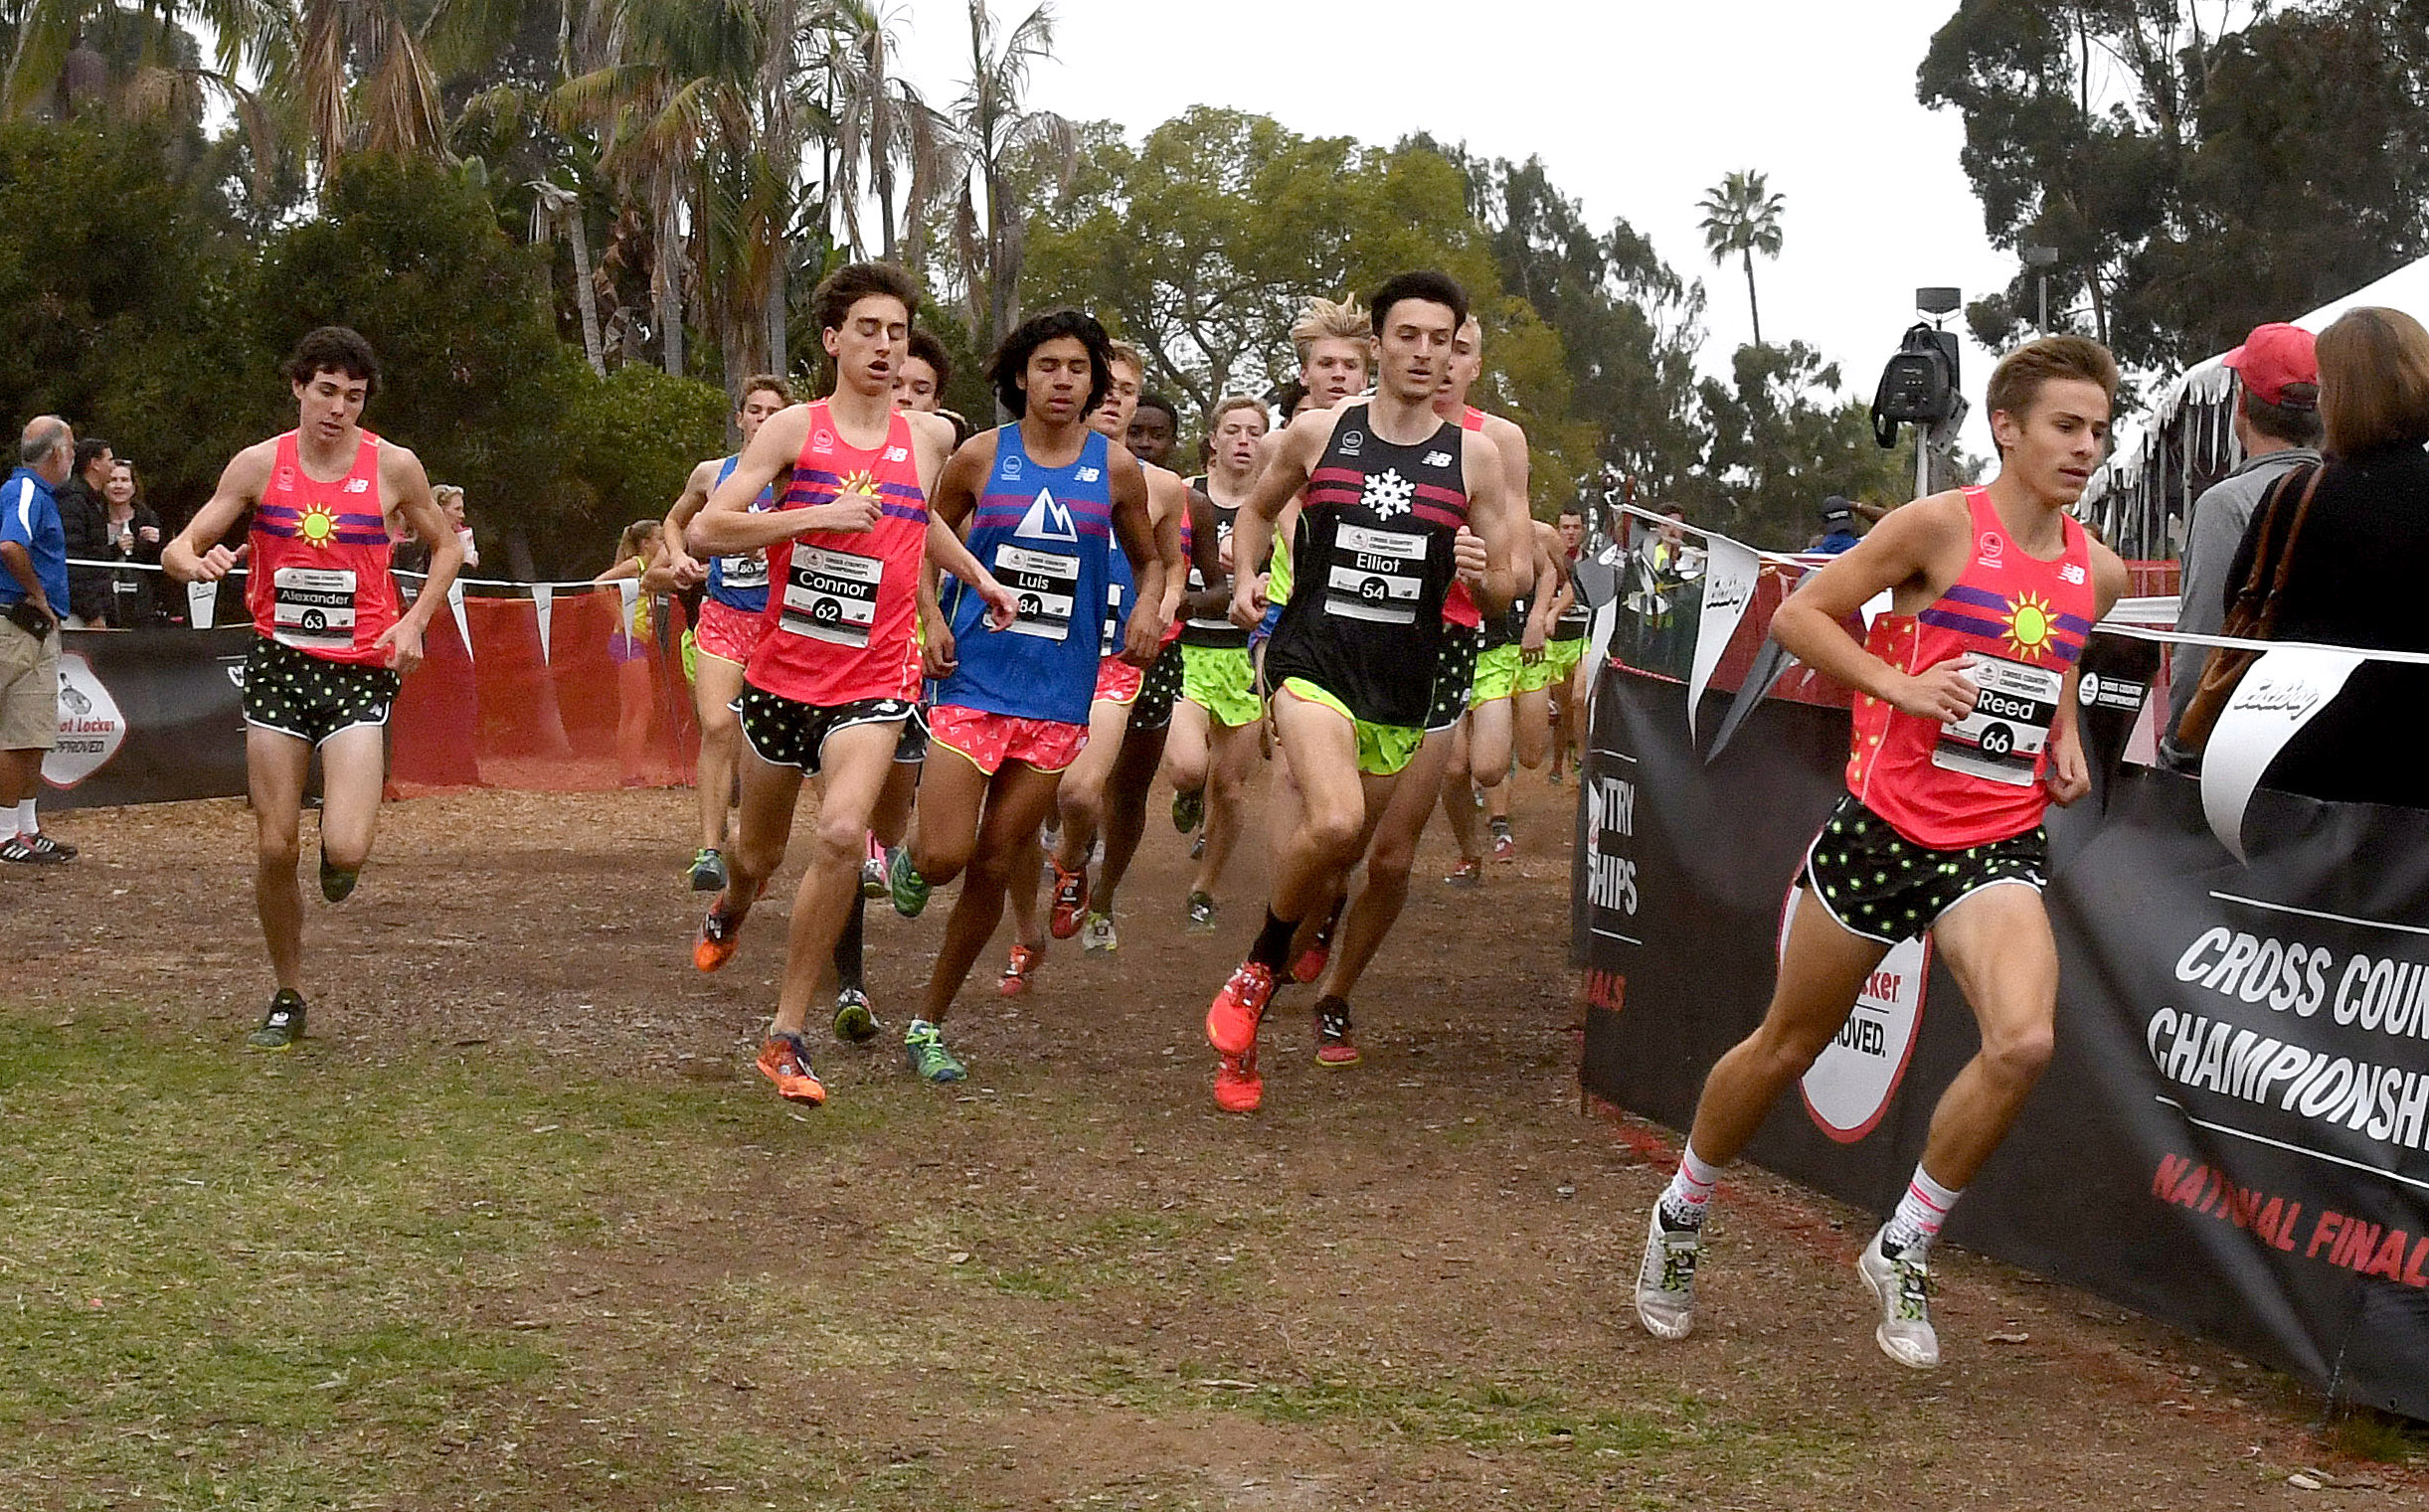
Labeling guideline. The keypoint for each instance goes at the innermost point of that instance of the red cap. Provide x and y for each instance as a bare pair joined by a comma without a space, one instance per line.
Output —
2271,357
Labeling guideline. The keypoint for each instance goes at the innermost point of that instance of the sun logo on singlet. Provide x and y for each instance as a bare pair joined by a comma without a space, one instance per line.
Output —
318,526
2031,627
1387,493
862,481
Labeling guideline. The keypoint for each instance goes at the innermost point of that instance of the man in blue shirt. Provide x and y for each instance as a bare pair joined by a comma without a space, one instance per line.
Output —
1838,527
33,594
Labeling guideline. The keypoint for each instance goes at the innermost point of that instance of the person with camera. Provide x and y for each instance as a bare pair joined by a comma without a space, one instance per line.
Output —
131,530
33,589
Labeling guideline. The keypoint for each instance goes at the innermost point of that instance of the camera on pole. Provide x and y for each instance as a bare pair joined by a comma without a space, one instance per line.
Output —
1919,385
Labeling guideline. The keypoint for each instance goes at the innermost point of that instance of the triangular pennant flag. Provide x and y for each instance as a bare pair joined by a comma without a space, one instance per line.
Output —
1730,571
456,601
541,600
2279,694
202,603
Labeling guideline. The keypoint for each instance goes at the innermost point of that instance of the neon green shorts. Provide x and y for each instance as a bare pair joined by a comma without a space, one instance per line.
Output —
1383,749
1217,678
1539,674
1496,675
1562,656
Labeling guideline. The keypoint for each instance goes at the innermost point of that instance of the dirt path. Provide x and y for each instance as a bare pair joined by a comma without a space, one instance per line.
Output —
1072,1282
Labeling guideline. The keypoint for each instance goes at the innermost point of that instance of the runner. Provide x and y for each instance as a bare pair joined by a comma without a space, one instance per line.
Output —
1483,742
1964,733
920,374
1399,502
1043,499
333,642
732,617
1080,800
1213,745
1564,655
836,674
1154,433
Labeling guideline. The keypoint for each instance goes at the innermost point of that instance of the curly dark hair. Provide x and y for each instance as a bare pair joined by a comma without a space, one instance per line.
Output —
335,349
1010,364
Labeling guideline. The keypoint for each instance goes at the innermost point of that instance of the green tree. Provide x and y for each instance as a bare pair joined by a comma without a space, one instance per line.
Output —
1741,216
1783,438
629,441
995,131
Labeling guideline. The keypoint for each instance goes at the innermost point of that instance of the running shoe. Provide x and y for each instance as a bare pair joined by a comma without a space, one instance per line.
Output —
1069,901
1024,965
720,935
1200,913
873,870
1901,1285
1666,1280
930,1060
784,1060
336,885
18,851
1237,1010
1333,1048
1188,809
1504,844
43,845
1097,936
1313,960
709,871
1197,847
1469,873
1555,776
855,1017
904,881
283,1025
1238,1088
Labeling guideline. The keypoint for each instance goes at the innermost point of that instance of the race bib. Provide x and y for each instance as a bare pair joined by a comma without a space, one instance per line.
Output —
1045,583
747,572
2003,738
312,607
830,596
1113,620
1375,575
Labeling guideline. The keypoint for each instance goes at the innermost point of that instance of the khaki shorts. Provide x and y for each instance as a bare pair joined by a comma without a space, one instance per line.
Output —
29,689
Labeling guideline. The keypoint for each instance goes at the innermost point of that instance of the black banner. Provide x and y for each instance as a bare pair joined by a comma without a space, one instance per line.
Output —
148,717
2232,1132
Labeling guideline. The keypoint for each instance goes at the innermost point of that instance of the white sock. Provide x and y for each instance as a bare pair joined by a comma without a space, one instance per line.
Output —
1921,1212
27,824
1683,1200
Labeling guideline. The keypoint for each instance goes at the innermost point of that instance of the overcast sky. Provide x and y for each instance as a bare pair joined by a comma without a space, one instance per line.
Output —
1635,109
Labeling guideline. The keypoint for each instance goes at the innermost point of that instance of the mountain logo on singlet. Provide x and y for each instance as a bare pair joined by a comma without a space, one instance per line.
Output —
1047,520
1438,460
1388,493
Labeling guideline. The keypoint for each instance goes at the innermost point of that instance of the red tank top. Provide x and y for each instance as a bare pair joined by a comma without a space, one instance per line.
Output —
842,606
2024,621
318,577
1458,606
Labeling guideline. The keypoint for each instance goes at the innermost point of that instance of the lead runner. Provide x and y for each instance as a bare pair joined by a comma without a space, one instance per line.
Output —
1964,733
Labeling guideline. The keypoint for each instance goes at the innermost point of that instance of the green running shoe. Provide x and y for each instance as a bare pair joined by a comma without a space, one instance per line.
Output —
708,871
283,1025
904,881
1199,913
855,1017
1188,809
930,1060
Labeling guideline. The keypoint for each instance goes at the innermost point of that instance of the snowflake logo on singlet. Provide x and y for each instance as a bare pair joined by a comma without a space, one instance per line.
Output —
1388,493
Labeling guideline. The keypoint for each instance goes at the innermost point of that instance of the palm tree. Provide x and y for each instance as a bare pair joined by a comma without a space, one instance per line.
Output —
1742,216
995,131
554,205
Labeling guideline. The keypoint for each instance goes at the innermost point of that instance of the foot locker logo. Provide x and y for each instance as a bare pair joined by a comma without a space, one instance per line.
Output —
1849,1087
91,728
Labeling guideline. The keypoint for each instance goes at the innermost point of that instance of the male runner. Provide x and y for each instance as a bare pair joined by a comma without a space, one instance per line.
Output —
1564,654
733,615
1399,502
1080,800
836,672
1505,714
1045,500
1213,745
334,643
1964,733
920,374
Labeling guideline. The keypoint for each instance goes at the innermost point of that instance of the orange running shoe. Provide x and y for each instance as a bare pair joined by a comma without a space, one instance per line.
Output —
1238,1088
1024,965
1069,901
1233,1017
720,935
784,1060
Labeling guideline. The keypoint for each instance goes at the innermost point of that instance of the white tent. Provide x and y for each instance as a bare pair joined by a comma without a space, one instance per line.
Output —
2142,497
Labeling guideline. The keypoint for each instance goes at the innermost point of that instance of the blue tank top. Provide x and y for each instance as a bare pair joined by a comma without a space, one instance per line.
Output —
1121,596
1046,533
741,582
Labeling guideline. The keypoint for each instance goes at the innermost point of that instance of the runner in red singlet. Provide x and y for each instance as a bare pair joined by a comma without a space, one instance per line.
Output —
837,668
334,642
1964,733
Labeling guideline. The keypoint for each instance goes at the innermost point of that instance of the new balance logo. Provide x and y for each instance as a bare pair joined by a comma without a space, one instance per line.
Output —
2072,573
1047,520
358,485
1438,460
1090,474
898,453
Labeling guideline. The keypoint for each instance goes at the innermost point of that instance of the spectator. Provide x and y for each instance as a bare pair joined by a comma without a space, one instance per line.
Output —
133,536
414,556
33,585
83,519
639,553
1838,527
2358,560
2277,423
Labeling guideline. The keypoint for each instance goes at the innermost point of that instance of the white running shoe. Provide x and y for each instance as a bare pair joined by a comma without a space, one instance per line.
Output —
1902,1287
1666,1281
1097,936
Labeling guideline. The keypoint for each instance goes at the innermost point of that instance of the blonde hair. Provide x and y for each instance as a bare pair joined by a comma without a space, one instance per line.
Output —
1318,319
442,492
2017,381
1476,326
2373,381
1231,402
1123,351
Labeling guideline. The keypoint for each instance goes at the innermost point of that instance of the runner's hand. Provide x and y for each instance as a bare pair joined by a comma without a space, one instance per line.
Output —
218,563
1247,603
688,570
2069,777
937,657
403,642
1530,644
1467,556
850,513
1943,694
1143,638
1002,604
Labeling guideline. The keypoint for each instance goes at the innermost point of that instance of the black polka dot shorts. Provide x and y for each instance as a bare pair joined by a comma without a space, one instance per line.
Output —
310,697
784,732
1454,675
1882,885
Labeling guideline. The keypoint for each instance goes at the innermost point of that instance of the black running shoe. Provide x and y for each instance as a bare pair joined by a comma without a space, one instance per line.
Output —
283,1025
334,884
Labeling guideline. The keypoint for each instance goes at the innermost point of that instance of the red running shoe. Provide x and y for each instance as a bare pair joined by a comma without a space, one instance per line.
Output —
1334,1050
1069,901
1016,975
1237,1087
783,1061
1233,1017
720,937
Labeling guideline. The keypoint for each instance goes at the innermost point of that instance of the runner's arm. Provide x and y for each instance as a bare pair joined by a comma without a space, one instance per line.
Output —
1251,530
955,498
1140,540
1212,601
727,526
196,555
679,561
1490,546
402,480
1169,500
1899,552
1547,580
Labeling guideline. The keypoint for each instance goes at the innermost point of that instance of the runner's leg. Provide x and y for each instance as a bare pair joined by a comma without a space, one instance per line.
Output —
1997,944
1377,905
856,761
1015,804
952,793
768,795
1231,760
353,770
1531,721
1126,808
276,769
1459,795
1186,748
1082,799
717,684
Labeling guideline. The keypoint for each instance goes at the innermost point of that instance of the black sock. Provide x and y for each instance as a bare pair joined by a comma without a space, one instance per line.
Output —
848,945
1332,920
1332,1005
1273,947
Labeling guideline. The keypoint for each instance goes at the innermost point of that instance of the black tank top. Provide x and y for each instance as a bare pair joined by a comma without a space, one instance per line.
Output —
1511,627
1219,631
1365,617
1577,619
